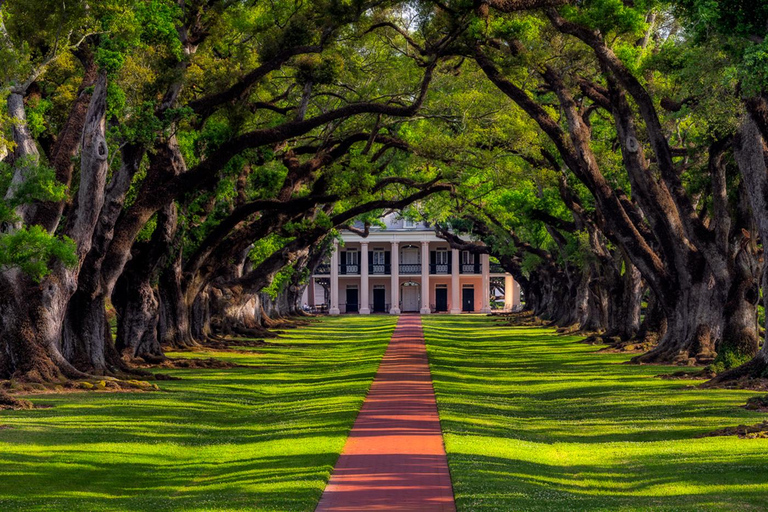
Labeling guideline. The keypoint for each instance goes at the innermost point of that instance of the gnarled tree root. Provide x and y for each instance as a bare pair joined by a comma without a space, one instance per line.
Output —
759,430
9,402
750,375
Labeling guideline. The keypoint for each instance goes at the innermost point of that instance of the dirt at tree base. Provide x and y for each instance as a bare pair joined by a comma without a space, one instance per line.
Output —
705,373
745,382
7,402
233,343
521,319
756,431
14,387
189,363
628,347
757,403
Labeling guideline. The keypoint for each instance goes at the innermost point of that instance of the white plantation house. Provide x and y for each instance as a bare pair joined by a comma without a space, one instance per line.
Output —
404,267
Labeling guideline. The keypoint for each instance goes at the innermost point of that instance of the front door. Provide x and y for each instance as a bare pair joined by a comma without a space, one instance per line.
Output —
410,298
379,296
468,299
351,300
441,299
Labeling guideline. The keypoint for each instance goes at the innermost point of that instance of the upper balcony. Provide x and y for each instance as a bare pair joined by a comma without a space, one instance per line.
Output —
379,269
409,269
471,268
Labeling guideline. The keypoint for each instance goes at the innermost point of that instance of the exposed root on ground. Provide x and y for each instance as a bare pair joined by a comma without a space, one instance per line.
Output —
757,431
705,373
185,363
745,382
633,346
16,387
615,345
220,343
9,402
520,319
752,375
572,330
757,403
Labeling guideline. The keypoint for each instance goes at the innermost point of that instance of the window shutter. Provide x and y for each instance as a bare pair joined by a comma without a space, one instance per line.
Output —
450,257
433,257
387,257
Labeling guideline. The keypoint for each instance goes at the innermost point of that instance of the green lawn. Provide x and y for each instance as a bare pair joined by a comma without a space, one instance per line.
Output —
259,438
535,421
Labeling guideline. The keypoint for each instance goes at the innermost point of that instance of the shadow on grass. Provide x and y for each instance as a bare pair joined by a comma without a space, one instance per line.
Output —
264,437
513,484
534,421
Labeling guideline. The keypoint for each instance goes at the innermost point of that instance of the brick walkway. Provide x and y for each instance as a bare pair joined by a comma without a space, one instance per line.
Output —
394,458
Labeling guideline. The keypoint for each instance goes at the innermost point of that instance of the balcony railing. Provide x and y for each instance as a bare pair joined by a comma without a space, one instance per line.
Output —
410,268
379,269
470,268
440,268
345,269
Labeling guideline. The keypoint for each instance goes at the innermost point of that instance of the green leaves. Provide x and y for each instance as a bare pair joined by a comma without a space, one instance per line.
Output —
159,19
32,249
611,16
738,26
39,184
754,68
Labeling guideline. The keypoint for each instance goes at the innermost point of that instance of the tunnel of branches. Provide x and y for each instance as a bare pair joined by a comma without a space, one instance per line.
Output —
174,171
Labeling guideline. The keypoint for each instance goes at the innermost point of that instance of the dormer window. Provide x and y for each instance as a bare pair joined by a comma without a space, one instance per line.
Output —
408,223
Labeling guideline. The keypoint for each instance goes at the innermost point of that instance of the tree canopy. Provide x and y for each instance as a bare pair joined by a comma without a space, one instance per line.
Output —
186,164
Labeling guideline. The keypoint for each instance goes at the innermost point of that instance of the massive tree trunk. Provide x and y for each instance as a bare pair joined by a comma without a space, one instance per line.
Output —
62,157
739,341
750,153
113,251
30,328
135,296
625,293
32,314
175,327
25,157
694,324
235,312
654,324
593,307
138,308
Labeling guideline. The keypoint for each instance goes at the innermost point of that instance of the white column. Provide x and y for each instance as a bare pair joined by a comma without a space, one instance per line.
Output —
394,293
334,310
509,292
485,306
364,305
455,290
516,302
425,278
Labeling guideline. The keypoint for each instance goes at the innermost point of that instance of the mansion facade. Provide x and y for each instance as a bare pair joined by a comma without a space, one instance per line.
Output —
404,267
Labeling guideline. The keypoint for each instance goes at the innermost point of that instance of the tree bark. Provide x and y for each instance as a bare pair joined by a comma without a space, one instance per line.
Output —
135,296
750,153
32,344
694,325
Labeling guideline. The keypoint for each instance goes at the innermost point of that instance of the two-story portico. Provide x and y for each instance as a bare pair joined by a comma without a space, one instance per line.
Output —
405,267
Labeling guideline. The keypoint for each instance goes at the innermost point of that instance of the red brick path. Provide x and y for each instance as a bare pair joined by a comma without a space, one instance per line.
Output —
394,458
